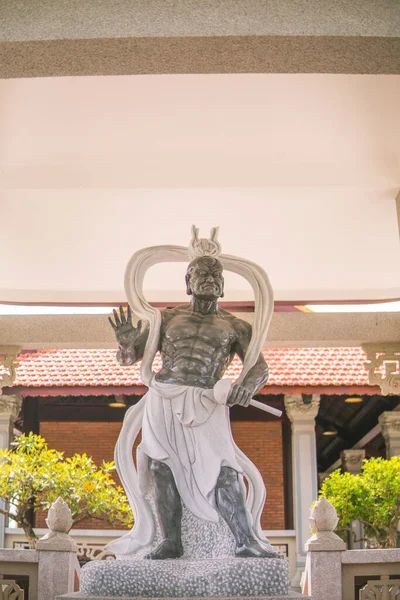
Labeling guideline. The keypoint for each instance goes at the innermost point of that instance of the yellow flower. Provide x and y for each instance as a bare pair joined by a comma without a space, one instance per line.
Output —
89,486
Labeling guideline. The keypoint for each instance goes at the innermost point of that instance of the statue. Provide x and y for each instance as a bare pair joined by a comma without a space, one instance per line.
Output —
187,453
194,522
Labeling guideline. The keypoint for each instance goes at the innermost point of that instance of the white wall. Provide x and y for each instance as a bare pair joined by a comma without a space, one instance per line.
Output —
300,172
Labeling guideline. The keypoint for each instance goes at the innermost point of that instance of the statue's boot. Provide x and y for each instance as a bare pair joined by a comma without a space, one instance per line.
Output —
169,512
232,507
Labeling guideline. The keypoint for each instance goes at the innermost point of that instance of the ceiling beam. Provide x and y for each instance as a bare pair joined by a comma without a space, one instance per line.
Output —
368,437
187,36
199,55
287,330
343,433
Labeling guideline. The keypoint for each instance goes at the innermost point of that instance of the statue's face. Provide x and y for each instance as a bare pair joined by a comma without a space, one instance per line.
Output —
204,278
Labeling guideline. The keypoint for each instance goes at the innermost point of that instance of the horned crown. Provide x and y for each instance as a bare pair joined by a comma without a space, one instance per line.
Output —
204,247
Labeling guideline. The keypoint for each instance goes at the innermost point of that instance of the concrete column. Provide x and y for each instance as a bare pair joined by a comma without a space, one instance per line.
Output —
352,462
9,410
304,467
390,426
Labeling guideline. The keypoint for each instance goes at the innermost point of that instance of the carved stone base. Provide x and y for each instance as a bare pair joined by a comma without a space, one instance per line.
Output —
186,578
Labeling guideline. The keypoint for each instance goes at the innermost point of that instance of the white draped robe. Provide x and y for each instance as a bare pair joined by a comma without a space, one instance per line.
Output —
188,429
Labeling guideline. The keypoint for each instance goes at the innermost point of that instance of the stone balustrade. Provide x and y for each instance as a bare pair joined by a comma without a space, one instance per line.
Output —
338,574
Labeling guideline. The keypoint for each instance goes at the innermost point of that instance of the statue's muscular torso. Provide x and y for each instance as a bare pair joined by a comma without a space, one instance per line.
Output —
196,349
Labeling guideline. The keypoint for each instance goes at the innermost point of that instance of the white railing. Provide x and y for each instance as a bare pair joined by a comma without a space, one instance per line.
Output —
384,589
10,590
91,542
17,565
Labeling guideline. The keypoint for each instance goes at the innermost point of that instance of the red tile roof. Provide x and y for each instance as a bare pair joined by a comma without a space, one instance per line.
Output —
288,367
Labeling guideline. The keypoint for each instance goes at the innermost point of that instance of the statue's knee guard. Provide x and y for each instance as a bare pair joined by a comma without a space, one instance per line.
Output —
159,468
228,477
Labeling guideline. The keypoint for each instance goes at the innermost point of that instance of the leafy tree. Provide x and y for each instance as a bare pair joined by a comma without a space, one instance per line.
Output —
372,497
32,476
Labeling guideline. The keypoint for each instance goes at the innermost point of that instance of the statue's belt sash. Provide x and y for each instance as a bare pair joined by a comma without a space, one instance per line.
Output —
192,406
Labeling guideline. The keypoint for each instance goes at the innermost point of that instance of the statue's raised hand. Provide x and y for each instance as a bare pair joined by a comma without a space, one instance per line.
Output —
125,332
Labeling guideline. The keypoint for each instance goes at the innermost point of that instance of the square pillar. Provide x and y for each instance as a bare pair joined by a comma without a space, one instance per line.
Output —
352,462
323,579
9,410
304,468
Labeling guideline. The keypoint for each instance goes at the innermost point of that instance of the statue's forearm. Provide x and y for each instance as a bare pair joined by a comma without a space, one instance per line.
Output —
257,376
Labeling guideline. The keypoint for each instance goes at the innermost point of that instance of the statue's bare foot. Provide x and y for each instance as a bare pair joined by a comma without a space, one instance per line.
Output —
252,549
167,549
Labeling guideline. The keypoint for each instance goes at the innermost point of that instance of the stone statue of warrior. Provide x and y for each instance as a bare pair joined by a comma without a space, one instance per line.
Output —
187,449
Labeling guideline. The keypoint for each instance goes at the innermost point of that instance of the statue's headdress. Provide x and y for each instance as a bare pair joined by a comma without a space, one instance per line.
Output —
142,260
203,246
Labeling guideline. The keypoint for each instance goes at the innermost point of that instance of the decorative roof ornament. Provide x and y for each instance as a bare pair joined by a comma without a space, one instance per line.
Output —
8,365
383,366
204,247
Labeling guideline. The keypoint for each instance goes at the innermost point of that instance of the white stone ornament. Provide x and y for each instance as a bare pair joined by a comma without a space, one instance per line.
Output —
204,247
59,521
323,516
323,519
59,518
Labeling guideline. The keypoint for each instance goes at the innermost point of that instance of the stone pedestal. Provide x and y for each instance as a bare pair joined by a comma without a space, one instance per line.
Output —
390,426
352,462
9,410
57,574
180,578
304,467
222,579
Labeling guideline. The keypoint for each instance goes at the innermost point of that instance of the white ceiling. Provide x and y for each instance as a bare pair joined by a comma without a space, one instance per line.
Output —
300,172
